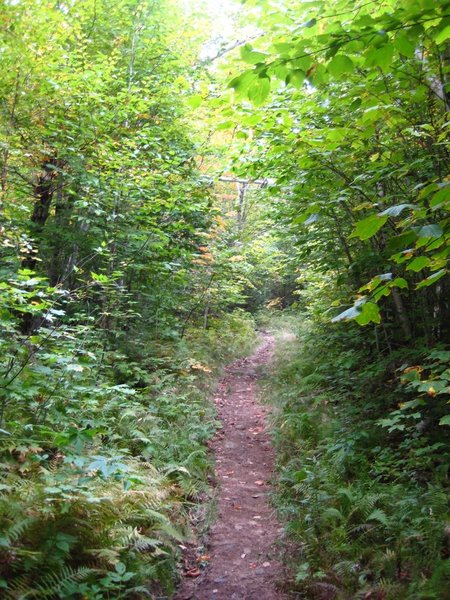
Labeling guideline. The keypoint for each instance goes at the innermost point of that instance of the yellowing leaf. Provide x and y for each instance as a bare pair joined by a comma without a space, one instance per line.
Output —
200,367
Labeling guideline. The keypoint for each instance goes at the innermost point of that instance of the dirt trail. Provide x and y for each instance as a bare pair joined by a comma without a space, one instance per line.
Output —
243,555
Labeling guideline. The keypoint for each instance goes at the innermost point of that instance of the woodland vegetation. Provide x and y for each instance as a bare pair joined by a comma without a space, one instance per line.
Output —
161,191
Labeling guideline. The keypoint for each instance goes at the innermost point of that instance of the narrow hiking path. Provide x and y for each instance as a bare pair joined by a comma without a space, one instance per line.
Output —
243,562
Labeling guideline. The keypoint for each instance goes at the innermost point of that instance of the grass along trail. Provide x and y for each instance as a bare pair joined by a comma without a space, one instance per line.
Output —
244,561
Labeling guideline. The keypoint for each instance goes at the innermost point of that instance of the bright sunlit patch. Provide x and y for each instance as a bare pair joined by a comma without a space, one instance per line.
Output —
225,28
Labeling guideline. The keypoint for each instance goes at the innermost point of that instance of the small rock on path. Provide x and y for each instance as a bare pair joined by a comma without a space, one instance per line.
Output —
244,561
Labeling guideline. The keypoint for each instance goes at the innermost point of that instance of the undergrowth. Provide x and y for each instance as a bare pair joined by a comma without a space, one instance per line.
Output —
97,485
363,466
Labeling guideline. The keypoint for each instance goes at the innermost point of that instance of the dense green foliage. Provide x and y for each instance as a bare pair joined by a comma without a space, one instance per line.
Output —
143,199
344,107
103,378
364,497
355,140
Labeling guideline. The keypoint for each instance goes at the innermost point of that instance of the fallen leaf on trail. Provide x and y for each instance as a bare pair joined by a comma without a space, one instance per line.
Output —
259,482
204,558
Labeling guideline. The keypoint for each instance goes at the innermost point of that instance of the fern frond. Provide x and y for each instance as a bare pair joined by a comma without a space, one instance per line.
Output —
52,585
18,529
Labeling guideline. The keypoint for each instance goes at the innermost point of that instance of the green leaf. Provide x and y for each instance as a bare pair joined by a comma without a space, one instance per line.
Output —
431,279
418,263
445,420
433,230
225,125
399,242
296,78
194,101
395,211
339,65
404,45
370,313
380,57
337,134
426,191
441,198
120,568
242,82
300,476
399,282
383,290
368,227
251,56
283,47
259,90
280,71
442,36
100,277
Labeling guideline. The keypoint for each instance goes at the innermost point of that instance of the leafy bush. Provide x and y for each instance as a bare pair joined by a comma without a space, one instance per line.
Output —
103,456
364,498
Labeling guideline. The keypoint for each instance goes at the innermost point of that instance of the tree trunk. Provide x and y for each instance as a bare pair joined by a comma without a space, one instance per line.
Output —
401,313
43,194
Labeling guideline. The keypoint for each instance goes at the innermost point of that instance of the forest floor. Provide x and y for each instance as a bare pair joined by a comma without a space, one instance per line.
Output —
242,555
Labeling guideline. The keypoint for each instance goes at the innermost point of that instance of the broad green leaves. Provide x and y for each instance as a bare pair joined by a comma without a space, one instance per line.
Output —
442,34
258,90
352,135
430,231
355,140
380,57
340,65
370,313
255,87
369,226
251,56
432,279
418,263
396,210
362,312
